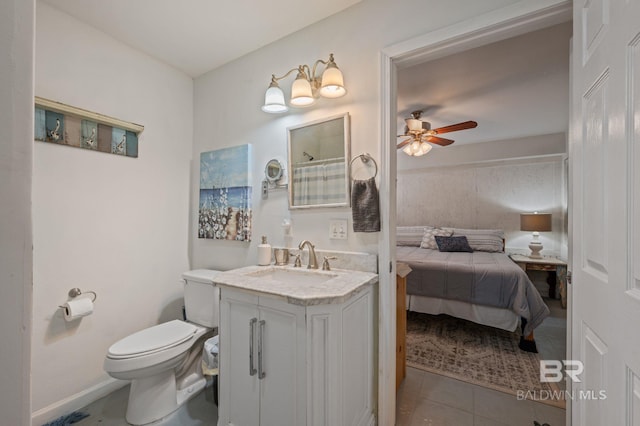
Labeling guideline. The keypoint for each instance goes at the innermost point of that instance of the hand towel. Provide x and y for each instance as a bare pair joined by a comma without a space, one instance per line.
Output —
365,206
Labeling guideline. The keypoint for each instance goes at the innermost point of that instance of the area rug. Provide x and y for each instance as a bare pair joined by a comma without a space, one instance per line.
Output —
477,354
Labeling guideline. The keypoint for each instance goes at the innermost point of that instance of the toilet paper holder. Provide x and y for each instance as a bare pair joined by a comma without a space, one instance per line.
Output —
75,292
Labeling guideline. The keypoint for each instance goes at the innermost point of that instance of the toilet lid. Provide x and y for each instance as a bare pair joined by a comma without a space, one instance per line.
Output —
153,339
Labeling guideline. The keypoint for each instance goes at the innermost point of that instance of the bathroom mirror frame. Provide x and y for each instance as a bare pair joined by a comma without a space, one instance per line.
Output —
306,149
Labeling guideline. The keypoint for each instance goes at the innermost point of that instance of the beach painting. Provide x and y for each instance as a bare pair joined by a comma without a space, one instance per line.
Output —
225,194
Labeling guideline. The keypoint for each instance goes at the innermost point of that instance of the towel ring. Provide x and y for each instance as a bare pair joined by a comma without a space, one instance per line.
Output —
365,157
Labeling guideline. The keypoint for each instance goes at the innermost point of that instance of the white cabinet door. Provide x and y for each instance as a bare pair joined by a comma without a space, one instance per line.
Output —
262,361
283,387
239,385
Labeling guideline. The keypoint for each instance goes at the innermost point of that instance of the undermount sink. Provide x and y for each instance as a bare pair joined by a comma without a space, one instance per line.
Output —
294,276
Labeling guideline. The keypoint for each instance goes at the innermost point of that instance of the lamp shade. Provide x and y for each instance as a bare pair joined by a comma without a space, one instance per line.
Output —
540,222
274,100
301,93
332,82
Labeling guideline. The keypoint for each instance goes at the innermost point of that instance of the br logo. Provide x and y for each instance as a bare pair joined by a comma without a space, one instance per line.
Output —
552,370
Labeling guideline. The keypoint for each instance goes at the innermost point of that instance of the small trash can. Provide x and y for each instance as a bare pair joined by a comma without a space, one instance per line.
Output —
210,353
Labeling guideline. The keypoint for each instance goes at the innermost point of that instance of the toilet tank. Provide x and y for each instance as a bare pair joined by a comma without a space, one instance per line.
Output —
201,297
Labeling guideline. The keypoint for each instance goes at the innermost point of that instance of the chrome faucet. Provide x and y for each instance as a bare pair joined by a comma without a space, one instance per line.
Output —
313,262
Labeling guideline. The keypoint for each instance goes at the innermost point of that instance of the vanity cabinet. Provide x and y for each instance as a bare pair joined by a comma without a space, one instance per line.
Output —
289,364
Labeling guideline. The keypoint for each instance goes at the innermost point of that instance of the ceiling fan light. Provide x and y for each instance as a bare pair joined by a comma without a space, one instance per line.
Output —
301,93
425,147
274,100
407,150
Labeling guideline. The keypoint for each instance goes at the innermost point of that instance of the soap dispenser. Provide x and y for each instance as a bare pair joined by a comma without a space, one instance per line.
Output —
264,252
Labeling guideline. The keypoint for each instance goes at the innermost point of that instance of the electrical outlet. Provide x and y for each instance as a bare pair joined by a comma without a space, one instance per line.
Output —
338,229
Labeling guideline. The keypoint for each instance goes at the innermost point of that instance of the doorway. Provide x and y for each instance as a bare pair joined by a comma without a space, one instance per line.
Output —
467,35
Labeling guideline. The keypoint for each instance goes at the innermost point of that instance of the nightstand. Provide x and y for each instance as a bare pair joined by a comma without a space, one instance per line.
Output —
556,268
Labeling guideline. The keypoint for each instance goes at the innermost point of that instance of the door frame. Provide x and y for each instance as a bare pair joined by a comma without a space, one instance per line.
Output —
516,19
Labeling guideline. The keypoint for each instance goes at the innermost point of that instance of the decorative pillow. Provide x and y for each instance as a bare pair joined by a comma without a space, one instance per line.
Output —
410,235
453,244
428,239
489,240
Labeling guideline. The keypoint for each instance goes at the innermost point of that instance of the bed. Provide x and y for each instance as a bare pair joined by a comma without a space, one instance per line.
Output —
484,285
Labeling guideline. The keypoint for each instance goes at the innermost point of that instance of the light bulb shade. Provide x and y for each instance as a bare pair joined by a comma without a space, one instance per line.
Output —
274,100
417,148
332,82
301,93
425,147
539,222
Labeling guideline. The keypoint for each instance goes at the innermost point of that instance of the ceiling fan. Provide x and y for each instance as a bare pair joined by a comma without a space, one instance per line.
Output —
421,135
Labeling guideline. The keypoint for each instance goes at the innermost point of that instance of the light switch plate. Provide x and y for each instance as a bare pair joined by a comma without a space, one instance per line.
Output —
338,229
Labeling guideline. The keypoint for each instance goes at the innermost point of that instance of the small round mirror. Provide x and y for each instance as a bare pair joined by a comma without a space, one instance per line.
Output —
273,171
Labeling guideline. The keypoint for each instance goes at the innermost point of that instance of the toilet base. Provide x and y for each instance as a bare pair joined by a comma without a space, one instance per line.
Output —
155,397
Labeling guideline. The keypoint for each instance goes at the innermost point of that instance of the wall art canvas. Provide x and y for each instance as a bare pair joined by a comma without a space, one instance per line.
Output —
225,194
66,125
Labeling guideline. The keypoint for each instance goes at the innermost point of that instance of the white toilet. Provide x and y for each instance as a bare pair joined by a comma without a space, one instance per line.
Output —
150,358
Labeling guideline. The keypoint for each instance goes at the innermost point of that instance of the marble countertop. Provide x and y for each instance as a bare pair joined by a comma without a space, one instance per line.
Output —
339,286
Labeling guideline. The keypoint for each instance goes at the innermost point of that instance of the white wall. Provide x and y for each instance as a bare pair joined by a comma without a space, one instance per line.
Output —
16,157
227,112
487,185
115,225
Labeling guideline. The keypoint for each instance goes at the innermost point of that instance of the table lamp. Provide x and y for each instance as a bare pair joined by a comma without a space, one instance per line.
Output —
536,222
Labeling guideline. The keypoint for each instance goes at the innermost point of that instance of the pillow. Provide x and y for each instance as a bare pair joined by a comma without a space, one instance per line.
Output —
453,244
489,240
428,239
410,235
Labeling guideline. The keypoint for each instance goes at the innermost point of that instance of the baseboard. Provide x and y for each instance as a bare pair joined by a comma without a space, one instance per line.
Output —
76,401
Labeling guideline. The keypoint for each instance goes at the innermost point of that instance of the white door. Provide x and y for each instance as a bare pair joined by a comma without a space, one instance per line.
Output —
605,159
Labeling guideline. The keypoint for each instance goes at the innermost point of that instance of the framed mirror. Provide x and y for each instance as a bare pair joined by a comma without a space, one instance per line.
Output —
319,163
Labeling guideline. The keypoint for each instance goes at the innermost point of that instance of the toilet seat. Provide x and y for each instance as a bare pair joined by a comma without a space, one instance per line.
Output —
152,340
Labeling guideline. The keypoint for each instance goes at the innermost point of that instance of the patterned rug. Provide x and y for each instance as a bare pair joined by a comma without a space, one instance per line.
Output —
477,354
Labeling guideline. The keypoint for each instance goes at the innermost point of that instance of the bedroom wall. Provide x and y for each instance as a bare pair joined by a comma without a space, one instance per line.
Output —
490,193
115,225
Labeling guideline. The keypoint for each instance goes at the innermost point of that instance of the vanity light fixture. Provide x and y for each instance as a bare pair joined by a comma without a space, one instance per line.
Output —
306,87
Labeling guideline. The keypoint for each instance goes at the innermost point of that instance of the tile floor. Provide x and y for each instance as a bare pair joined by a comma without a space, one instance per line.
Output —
427,399
424,398
110,411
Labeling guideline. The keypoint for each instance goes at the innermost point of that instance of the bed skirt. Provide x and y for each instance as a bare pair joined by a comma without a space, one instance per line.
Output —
484,315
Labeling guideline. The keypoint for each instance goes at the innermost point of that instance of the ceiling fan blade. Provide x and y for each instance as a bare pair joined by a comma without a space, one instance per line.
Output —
404,143
439,141
455,127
